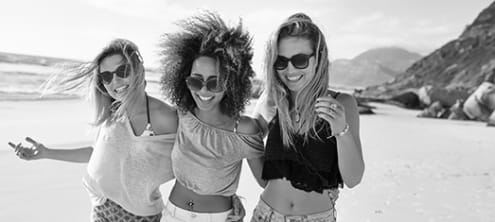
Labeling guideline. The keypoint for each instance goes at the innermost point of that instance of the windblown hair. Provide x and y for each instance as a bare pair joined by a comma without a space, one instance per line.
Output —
206,34
301,26
86,76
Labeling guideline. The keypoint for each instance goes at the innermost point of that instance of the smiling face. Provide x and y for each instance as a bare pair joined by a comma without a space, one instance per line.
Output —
296,79
118,87
205,68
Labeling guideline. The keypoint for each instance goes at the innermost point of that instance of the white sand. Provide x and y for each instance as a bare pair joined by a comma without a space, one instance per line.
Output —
416,169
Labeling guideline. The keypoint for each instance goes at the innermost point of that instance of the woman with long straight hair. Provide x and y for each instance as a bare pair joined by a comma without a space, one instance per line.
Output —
313,144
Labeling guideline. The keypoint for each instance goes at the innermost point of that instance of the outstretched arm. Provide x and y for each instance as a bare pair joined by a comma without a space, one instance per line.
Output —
39,151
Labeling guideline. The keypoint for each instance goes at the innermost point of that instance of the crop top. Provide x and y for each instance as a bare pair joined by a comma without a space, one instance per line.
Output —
208,160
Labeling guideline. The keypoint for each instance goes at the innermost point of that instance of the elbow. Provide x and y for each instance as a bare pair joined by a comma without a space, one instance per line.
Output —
262,183
354,181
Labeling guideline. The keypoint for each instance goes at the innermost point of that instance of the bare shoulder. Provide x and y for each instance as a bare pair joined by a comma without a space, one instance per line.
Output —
347,100
164,116
248,125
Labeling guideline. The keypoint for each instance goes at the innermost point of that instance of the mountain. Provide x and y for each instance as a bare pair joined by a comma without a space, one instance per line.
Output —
372,67
463,62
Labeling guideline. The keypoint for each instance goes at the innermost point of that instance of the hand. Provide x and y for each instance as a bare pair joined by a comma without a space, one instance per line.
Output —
36,151
331,111
238,211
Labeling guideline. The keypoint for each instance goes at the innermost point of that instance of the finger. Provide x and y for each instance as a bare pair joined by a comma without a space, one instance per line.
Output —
332,106
233,218
18,147
30,140
327,117
12,145
328,99
327,111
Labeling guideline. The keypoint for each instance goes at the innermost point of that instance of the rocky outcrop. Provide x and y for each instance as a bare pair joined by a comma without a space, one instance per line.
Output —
463,62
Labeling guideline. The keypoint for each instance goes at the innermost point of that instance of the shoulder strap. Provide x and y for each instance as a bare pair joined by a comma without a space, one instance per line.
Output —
236,124
336,95
147,109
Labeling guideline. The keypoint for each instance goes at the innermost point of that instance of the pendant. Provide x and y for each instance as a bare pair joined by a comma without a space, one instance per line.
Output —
297,117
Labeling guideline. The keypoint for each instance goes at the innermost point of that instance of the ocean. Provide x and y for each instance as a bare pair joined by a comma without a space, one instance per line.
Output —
20,82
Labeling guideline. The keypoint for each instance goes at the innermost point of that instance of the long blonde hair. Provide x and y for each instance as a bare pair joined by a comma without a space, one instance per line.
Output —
301,26
85,76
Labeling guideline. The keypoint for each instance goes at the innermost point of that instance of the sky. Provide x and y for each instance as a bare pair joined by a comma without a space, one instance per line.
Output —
79,29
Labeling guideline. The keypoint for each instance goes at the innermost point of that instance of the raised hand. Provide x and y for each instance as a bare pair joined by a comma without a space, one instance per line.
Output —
33,152
331,111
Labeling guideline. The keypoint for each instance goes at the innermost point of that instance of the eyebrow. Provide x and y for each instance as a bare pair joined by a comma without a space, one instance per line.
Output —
200,75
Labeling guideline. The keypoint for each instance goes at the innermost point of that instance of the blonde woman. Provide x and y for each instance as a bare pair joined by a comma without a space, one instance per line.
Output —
131,156
313,144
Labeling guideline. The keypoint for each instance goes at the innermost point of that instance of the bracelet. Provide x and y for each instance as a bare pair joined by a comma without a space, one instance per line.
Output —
343,132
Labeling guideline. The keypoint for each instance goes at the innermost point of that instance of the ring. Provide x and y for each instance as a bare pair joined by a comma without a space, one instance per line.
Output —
333,106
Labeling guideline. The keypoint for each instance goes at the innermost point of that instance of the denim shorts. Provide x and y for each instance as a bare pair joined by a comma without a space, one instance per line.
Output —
264,213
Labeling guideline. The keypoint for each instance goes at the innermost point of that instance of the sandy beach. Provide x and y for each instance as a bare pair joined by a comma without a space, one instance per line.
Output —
416,169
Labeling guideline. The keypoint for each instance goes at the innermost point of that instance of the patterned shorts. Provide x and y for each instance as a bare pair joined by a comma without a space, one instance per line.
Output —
112,212
264,213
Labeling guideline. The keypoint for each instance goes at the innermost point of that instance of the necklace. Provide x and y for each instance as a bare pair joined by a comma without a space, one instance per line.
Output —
297,116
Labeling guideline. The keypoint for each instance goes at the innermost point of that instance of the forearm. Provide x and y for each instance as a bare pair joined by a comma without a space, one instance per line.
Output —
79,155
351,162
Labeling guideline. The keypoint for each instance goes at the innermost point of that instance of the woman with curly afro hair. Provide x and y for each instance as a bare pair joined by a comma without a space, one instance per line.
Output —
206,72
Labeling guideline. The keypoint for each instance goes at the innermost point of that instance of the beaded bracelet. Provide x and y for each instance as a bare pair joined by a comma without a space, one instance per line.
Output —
343,132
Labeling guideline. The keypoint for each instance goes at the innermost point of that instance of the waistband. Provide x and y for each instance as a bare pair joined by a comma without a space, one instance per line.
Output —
184,215
263,210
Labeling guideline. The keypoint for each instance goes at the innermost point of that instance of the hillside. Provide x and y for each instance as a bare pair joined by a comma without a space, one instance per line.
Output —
372,67
463,62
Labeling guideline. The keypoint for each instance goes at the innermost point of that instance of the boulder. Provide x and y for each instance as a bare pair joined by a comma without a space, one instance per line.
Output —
407,99
491,119
446,96
456,111
481,103
435,110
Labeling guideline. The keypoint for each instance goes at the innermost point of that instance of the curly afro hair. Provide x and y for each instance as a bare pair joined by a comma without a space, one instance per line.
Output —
207,34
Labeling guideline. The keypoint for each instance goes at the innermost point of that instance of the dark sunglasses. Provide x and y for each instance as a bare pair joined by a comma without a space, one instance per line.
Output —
123,71
299,61
196,84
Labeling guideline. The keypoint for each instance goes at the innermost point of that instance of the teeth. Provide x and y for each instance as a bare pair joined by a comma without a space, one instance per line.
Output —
294,78
206,98
121,89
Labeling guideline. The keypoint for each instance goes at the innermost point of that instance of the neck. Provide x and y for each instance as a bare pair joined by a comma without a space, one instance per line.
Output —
292,97
213,117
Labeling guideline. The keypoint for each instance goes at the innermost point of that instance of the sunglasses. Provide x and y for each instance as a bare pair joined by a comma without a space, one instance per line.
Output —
196,84
299,61
123,71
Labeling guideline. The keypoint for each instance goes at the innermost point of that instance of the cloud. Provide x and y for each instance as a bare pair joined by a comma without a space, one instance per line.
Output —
378,30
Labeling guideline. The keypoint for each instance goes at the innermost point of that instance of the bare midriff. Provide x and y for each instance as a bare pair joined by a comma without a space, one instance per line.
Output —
284,198
187,199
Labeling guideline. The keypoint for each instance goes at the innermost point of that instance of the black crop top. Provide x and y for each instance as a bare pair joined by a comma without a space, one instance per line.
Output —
311,166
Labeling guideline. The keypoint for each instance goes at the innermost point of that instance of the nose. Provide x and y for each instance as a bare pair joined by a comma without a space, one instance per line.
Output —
115,78
203,90
290,68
